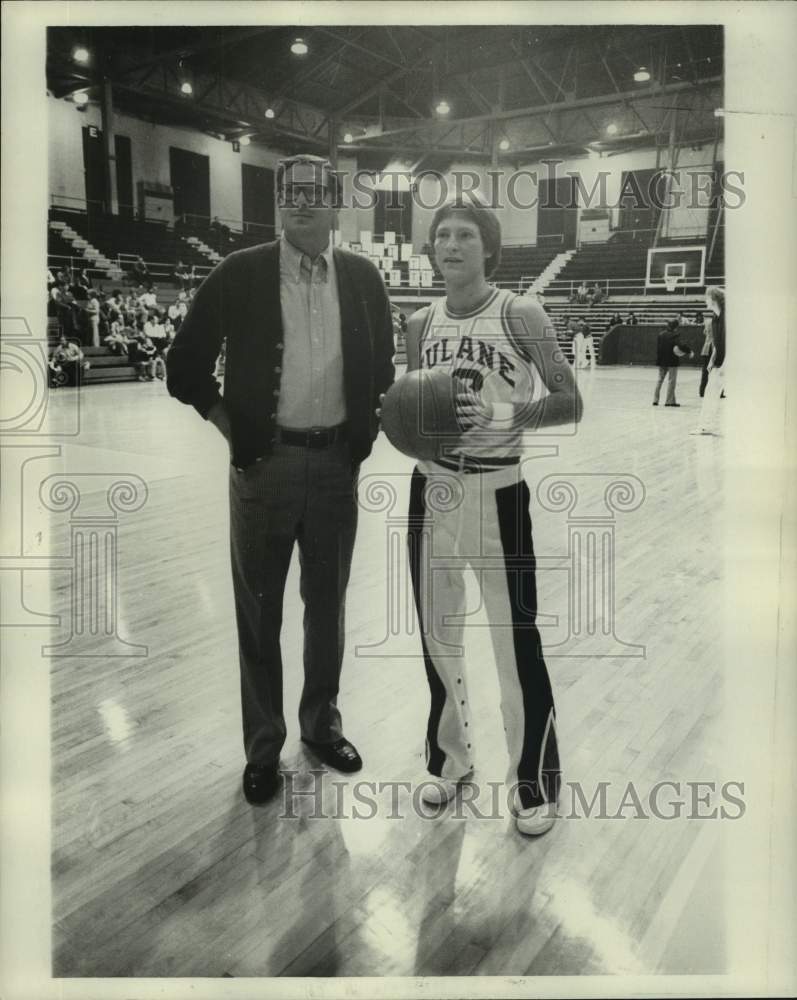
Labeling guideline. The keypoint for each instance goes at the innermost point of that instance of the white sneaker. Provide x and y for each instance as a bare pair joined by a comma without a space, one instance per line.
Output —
536,820
442,790
700,430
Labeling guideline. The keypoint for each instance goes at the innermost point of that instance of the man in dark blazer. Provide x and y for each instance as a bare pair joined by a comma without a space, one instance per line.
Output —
309,349
670,348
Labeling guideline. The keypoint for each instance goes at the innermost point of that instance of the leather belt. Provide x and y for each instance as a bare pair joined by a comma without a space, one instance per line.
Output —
316,437
469,466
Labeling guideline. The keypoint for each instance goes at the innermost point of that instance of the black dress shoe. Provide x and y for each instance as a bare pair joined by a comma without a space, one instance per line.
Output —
341,754
260,783
672,404
655,403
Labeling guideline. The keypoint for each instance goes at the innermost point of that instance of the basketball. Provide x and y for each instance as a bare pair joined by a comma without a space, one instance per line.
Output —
418,413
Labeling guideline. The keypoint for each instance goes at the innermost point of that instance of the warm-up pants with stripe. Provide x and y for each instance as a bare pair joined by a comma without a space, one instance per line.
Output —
482,520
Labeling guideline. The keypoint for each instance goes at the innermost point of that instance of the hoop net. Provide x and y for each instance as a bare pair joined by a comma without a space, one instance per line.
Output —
671,282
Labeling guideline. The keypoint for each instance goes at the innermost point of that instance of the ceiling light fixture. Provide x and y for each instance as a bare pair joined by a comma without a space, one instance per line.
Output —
80,98
299,47
245,140
81,55
186,88
348,137
504,144
443,107
269,112
612,129
642,75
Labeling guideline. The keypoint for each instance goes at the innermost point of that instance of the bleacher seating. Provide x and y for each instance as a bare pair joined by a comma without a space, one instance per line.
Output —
621,262
520,262
116,237
105,366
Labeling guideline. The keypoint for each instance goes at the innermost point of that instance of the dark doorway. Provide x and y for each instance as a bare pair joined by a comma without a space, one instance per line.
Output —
124,176
94,169
190,179
257,188
639,192
557,215
393,213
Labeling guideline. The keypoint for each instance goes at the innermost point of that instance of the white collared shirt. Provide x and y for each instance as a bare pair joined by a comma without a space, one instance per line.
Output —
311,382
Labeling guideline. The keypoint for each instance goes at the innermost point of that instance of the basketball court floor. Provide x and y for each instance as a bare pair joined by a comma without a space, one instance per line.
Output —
159,866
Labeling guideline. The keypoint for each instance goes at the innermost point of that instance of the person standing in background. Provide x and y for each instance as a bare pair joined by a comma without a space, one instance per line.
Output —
705,353
670,348
709,412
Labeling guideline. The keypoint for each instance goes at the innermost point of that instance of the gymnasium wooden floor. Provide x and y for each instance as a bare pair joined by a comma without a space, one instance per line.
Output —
159,866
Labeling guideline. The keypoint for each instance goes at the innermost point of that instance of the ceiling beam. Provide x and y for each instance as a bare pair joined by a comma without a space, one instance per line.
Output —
352,44
536,111
186,51
391,78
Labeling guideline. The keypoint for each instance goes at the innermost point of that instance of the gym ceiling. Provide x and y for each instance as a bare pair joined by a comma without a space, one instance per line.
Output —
515,93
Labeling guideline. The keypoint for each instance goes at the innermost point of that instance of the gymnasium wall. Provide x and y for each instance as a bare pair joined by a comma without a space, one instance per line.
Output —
150,155
150,161
519,225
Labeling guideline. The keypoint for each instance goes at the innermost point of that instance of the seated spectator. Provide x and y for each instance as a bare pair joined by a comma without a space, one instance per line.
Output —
156,332
148,299
53,298
616,320
597,295
112,307
81,281
174,315
221,234
116,339
67,363
697,318
632,320
183,275
682,320
141,352
139,273
582,292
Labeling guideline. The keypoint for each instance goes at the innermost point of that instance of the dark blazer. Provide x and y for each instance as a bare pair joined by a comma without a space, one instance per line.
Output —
240,300
667,341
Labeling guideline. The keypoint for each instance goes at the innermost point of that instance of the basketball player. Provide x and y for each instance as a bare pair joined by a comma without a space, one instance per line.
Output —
309,348
709,411
502,349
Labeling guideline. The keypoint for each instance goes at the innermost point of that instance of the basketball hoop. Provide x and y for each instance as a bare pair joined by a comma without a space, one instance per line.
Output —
671,282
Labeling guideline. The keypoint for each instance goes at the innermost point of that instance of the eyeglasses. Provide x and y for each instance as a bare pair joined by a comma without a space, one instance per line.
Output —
315,195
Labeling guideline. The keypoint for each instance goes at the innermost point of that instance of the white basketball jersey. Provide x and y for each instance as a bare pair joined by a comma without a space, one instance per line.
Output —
481,348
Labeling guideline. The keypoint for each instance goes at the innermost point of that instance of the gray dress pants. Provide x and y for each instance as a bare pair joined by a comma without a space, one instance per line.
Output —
306,496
